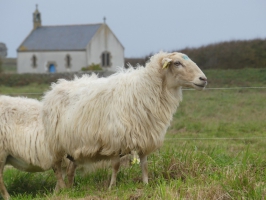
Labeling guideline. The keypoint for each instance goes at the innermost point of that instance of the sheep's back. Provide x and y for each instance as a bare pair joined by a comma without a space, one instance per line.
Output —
22,131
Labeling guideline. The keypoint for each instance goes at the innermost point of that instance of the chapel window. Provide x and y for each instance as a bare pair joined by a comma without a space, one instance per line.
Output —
106,59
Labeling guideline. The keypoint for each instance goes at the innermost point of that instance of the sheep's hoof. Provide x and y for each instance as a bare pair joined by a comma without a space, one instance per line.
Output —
6,197
110,186
58,188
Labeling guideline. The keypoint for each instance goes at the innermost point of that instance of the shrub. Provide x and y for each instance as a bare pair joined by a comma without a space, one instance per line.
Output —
1,70
92,67
237,54
12,80
230,55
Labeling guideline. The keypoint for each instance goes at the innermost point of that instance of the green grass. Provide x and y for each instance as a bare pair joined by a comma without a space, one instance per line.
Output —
214,149
236,77
9,69
32,91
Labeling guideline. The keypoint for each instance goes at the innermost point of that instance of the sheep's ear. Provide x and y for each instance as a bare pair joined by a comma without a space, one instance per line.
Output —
166,62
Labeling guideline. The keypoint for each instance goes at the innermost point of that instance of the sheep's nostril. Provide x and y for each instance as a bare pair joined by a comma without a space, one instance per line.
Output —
203,78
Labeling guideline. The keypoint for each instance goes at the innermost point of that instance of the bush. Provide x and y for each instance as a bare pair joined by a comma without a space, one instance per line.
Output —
11,80
223,55
1,70
92,67
230,55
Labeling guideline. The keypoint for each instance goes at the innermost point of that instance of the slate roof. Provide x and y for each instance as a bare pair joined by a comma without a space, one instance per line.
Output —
68,37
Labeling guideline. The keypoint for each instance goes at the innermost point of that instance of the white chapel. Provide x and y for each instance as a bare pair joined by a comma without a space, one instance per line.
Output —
68,48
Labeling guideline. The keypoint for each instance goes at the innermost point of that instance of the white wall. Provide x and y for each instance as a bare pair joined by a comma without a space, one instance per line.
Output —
105,40
24,61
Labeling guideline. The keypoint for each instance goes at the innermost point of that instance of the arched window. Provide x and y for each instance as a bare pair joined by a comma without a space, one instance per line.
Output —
68,61
34,61
106,59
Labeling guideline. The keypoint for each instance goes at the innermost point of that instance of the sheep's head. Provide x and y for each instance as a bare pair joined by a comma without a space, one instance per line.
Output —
180,70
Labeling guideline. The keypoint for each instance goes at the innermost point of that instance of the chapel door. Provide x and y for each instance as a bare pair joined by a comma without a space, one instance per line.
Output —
52,68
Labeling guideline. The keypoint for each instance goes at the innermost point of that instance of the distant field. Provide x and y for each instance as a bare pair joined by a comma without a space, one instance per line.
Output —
214,149
9,69
9,65
225,78
236,77
32,91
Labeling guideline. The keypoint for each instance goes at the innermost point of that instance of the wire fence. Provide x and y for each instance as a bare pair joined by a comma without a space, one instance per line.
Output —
27,93
174,139
232,88
244,138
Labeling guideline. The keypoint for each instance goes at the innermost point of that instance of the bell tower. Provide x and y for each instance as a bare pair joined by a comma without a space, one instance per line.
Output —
37,22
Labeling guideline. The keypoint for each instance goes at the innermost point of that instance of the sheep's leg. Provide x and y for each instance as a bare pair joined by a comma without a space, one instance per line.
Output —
115,164
71,174
144,168
60,184
2,185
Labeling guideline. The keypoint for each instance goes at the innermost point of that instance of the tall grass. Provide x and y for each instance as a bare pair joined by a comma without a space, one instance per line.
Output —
214,149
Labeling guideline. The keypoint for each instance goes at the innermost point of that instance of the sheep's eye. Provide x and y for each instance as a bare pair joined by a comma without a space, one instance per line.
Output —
177,63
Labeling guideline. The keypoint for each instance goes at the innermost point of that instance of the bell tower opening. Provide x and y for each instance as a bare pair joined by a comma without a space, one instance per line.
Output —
37,22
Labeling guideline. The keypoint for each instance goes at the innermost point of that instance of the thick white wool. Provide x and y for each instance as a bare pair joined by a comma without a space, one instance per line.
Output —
22,134
97,118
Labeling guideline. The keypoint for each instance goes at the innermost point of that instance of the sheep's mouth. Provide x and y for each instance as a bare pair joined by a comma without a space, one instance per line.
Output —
199,86
202,86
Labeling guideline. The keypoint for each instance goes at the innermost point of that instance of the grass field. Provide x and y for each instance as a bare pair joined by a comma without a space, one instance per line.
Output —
9,69
214,149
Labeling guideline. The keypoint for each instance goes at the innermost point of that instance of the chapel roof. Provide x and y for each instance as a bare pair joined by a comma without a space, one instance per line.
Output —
56,38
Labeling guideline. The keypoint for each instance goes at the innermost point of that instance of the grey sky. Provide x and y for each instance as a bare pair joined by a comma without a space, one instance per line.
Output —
142,26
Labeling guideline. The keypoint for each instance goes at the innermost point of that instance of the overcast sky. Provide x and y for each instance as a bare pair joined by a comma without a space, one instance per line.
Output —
142,26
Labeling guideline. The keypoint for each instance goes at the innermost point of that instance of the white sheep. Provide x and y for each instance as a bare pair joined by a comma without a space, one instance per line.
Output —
22,139
93,119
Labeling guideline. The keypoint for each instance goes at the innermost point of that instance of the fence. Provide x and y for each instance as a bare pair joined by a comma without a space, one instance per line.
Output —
174,139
